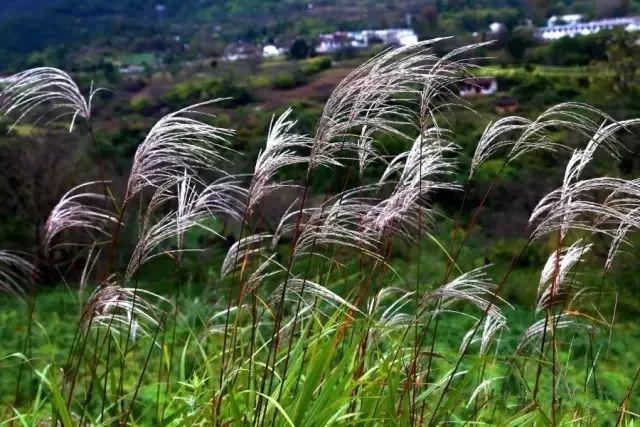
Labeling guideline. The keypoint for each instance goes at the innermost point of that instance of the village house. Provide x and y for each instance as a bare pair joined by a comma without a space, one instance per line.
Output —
240,50
272,51
554,30
473,87
506,105
339,40
131,69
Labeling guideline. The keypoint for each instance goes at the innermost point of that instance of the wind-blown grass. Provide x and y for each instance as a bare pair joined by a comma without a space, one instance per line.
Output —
319,326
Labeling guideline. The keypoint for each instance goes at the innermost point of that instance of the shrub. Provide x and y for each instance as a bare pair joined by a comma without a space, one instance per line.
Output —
288,80
192,91
315,65
140,104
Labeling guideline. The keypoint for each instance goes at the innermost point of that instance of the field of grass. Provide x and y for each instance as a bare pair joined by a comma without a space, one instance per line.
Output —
366,272
197,342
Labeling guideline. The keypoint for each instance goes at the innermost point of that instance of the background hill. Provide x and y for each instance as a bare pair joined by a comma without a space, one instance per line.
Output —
29,26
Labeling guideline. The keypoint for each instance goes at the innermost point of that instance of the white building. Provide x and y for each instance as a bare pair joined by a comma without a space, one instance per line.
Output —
555,32
272,51
333,42
474,87
574,18
497,28
132,69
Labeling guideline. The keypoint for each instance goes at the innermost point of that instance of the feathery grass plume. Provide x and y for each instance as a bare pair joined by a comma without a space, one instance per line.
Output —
484,387
16,272
242,250
577,206
338,221
77,209
402,213
296,287
380,97
555,271
389,317
619,237
223,197
177,143
282,149
263,271
474,287
574,204
286,224
172,225
545,326
118,308
46,93
89,265
524,135
491,325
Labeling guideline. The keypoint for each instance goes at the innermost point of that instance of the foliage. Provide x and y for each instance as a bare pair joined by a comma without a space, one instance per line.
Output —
300,49
315,65
288,80
187,92
623,57
360,300
568,51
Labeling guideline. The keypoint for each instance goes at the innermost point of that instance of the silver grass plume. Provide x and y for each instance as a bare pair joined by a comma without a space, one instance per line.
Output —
387,309
568,201
177,143
116,308
92,258
554,273
241,250
474,287
16,272
484,387
338,221
263,271
545,326
223,197
77,209
286,224
282,149
491,325
524,135
619,237
45,93
403,212
300,289
376,97
578,206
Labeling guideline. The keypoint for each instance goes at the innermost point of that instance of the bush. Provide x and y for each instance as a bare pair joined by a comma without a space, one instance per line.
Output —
315,65
140,104
300,49
188,92
573,50
288,80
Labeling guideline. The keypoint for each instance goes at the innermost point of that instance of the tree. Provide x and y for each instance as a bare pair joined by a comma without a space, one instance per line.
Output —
427,21
517,43
539,9
610,8
624,59
300,49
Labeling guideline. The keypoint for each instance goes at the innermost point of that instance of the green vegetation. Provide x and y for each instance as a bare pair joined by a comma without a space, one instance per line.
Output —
385,296
314,321
187,92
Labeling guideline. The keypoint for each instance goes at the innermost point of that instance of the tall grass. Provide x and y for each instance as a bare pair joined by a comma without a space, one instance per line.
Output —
312,322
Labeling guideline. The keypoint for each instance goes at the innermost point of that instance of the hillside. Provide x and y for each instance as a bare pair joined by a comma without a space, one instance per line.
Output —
31,26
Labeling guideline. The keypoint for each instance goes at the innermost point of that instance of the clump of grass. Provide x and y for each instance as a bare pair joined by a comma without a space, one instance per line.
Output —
317,325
